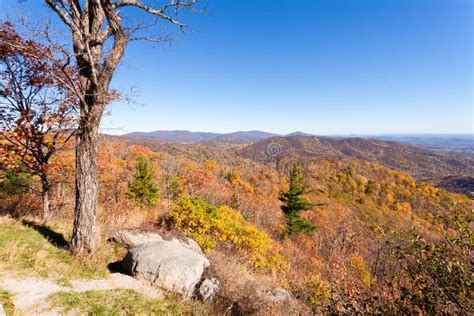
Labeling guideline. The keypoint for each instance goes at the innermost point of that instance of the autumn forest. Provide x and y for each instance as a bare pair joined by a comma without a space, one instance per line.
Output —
237,224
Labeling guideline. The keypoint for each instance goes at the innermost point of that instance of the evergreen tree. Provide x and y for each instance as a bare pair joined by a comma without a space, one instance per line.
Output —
143,188
294,204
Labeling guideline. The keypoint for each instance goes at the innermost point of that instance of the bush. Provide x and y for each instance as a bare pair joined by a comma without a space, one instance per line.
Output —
316,292
174,187
15,183
360,269
212,225
440,272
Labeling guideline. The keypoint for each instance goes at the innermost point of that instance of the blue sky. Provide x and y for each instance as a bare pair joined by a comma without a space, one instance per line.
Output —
319,66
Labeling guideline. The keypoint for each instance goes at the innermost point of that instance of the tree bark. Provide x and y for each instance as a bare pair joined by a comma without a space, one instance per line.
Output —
92,25
87,186
45,194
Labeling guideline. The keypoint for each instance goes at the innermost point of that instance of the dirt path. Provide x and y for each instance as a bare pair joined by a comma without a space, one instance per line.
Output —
30,294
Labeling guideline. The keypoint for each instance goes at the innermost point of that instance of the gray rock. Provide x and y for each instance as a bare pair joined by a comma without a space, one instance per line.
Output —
172,265
130,238
193,245
208,289
281,295
286,301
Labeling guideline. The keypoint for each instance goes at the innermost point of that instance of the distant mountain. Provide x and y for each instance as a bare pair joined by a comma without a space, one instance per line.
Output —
460,143
298,133
421,163
241,137
187,137
175,136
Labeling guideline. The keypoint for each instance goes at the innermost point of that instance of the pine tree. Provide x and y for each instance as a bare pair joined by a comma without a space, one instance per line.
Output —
143,188
294,204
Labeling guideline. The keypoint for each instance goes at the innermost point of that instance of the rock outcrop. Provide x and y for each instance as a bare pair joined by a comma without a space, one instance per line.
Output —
173,265
208,289
131,238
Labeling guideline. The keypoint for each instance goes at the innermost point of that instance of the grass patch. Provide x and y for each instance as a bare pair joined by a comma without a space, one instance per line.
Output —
121,302
7,302
27,248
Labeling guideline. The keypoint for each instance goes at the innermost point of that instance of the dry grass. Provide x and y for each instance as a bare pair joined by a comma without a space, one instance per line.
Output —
123,302
32,249
7,302
245,291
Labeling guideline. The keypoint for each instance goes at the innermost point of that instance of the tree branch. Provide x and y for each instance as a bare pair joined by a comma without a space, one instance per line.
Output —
158,12
63,16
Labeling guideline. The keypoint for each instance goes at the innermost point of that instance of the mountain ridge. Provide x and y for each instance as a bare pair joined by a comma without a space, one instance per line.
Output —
420,162
457,143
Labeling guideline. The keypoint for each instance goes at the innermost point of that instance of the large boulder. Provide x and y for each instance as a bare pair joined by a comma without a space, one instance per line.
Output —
172,265
133,238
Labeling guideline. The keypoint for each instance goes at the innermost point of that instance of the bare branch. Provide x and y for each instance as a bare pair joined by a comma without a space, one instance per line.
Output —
158,12
63,16
150,39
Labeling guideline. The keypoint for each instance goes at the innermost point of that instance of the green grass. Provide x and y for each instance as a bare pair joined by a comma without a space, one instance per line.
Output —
121,302
7,302
31,249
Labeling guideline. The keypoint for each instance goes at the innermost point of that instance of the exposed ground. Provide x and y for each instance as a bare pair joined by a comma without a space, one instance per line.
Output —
30,294
39,277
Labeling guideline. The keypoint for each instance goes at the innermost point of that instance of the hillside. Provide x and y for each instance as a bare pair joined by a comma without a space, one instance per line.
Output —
240,137
365,216
458,184
419,162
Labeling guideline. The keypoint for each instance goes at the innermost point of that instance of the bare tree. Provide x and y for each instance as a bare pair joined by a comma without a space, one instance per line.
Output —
37,108
100,32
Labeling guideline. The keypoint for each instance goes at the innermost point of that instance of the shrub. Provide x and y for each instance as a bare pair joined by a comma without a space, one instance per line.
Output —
15,183
316,292
360,269
403,207
440,272
211,225
174,186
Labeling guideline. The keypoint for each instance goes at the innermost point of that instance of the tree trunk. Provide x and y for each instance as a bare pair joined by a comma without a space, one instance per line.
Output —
84,229
45,194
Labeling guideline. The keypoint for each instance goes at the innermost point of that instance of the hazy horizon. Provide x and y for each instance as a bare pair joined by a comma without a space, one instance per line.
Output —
297,131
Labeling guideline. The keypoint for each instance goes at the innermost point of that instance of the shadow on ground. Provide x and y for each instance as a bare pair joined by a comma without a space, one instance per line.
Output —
57,239
117,267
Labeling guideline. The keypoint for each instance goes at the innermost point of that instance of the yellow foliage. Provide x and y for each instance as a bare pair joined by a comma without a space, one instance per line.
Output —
404,207
237,180
210,225
389,197
378,231
211,164
317,292
360,269
361,180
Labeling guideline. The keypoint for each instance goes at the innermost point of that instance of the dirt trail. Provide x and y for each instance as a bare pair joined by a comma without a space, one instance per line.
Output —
30,294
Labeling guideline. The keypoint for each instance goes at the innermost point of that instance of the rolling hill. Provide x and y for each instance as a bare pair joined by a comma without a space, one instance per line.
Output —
448,170
421,163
